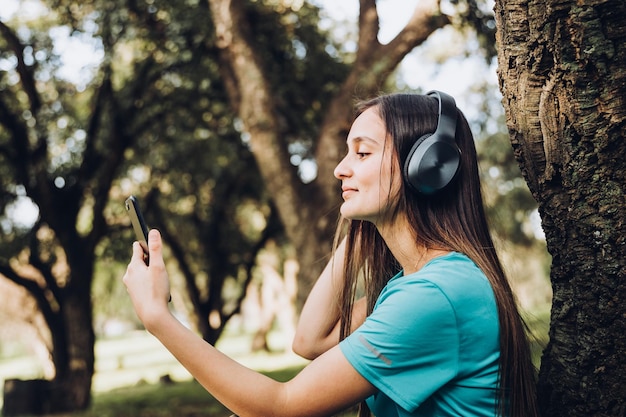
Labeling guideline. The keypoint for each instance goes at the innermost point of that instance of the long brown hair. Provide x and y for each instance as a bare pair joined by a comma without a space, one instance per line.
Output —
454,220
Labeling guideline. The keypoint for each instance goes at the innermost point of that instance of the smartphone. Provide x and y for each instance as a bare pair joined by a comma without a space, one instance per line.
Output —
139,225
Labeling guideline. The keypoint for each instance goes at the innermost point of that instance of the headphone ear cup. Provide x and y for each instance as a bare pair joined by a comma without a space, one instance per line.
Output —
431,164
410,172
434,159
407,172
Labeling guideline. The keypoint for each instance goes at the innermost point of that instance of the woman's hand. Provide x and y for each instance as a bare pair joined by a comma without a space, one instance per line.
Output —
148,286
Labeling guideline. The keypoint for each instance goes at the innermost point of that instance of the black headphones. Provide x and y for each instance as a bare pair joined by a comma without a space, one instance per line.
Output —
434,159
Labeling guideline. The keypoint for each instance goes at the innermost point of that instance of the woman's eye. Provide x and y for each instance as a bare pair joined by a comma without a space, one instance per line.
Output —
362,154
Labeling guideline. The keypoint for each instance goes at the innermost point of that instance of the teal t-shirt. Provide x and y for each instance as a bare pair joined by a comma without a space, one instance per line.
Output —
431,345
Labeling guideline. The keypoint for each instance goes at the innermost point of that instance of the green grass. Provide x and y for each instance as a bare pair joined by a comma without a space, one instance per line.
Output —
129,369
139,358
155,400
181,399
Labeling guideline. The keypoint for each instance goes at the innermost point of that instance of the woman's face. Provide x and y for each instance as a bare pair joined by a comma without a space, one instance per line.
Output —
365,172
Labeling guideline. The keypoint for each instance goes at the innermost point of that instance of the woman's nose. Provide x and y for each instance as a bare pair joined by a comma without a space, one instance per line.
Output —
341,170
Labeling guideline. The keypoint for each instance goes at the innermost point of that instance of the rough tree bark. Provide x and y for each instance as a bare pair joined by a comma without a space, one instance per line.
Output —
562,69
309,212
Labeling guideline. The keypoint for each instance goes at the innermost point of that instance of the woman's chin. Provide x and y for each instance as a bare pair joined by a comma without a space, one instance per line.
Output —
346,213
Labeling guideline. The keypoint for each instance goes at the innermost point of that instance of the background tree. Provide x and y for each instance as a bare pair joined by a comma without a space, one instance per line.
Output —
57,246
153,120
63,147
214,236
131,103
562,68
308,212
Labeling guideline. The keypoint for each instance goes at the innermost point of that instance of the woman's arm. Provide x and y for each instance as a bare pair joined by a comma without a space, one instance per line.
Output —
327,385
319,324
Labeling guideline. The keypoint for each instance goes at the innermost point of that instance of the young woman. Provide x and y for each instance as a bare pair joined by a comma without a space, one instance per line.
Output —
412,316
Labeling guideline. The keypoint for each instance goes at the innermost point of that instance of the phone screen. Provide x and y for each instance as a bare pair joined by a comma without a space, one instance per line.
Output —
139,225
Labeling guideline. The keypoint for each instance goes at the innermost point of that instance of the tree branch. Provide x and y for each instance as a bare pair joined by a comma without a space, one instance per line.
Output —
25,72
44,268
425,20
30,285
26,156
258,111
373,64
369,25
18,154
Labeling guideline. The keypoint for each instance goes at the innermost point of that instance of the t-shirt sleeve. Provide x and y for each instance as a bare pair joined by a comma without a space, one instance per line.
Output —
408,347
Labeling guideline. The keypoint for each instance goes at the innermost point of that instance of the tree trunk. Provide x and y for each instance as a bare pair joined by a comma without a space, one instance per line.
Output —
74,377
309,212
562,69
67,317
73,335
62,254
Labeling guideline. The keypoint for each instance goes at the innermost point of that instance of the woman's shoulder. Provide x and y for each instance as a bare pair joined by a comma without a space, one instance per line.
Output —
450,258
455,274
446,267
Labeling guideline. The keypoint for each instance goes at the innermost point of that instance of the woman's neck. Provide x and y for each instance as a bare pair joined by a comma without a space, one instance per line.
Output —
403,244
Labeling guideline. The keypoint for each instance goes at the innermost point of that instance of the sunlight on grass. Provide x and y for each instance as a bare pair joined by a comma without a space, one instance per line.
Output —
129,370
140,358
129,373
134,359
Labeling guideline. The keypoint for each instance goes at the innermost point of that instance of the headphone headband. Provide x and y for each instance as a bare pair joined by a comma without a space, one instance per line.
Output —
446,121
434,159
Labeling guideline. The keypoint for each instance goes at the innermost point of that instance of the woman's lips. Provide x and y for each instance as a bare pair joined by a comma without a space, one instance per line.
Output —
347,191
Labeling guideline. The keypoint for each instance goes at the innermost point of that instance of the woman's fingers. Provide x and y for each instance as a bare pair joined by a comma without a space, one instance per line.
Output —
155,246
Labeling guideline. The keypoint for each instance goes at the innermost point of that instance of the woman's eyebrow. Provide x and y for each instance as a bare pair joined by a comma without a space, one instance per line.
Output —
359,139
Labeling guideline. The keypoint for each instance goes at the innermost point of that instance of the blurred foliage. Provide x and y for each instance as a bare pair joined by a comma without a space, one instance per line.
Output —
157,83
478,15
187,155
511,209
148,116
509,202
181,399
153,108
